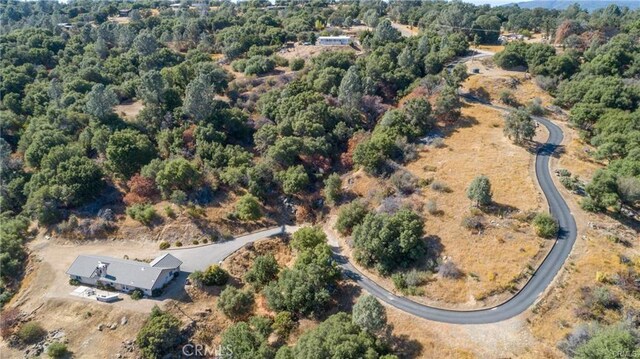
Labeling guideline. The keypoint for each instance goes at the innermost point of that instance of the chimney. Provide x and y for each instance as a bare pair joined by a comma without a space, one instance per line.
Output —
101,270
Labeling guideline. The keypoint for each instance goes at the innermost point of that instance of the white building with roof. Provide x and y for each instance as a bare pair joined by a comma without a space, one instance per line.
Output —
125,275
333,40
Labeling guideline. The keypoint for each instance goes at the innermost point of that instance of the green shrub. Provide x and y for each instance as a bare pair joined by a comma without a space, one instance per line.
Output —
350,215
401,283
563,172
258,65
333,188
214,275
239,65
507,98
473,223
143,213
137,294
535,107
248,208
570,183
280,61
73,281
195,212
235,303
164,245
610,343
545,225
31,332
369,314
178,197
589,205
168,210
57,350
283,324
263,270
178,244
440,187
479,191
296,64
159,335
308,238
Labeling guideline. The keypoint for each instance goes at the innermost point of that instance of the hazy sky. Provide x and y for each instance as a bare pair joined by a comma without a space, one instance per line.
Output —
492,2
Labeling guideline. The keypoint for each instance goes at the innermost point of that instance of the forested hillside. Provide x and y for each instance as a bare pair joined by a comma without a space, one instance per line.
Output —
594,76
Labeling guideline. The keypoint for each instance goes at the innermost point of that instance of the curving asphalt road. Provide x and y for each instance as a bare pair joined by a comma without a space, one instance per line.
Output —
536,285
200,257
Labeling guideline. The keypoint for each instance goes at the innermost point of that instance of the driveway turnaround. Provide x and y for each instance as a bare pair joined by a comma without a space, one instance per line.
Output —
536,285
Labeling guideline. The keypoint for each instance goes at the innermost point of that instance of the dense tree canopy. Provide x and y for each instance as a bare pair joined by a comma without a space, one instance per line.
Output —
387,242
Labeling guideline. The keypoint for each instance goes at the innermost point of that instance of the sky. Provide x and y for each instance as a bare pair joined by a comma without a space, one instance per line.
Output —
492,2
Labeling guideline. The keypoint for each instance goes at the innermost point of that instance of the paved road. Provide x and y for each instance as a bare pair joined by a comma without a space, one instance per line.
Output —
540,280
201,257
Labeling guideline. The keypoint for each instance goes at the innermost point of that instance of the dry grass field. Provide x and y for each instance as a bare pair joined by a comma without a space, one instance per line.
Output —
492,81
508,246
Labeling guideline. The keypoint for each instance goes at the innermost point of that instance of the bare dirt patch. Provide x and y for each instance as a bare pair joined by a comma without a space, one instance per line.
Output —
79,321
406,30
307,52
129,110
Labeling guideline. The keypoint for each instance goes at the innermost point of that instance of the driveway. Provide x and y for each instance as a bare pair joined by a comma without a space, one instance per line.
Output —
201,257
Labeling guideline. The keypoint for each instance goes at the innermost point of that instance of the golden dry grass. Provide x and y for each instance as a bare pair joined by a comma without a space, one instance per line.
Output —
500,253
493,81
576,158
593,255
507,246
492,48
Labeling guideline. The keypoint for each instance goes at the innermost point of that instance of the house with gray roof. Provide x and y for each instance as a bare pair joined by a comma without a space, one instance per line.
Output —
123,274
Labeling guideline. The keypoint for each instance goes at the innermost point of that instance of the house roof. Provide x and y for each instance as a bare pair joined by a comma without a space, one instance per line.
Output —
166,261
334,38
123,271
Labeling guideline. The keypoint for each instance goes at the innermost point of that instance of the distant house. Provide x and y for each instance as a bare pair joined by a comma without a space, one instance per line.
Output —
124,12
333,40
125,275
202,8
65,25
504,39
